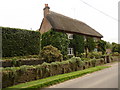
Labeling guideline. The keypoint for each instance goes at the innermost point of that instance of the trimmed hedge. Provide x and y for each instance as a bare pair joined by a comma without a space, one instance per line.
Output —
15,75
20,62
42,83
19,42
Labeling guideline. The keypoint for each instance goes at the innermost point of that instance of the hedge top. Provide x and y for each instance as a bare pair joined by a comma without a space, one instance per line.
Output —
1,27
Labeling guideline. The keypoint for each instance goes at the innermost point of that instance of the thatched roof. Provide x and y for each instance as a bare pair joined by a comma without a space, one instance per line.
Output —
66,24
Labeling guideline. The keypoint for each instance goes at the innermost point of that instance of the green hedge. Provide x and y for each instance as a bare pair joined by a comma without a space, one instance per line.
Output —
19,42
15,75
42,83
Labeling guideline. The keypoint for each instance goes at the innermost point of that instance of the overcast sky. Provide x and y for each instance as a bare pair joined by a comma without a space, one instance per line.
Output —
101,15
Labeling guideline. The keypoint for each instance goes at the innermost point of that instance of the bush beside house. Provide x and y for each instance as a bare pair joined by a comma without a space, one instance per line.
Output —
19,42
51,54
56,39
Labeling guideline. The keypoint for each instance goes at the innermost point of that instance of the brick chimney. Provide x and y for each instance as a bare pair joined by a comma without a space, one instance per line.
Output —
46,10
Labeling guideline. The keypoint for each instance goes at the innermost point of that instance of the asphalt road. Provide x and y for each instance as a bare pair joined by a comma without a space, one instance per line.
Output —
107,78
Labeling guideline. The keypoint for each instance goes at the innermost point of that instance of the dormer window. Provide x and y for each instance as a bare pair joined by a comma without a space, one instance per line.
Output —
70,36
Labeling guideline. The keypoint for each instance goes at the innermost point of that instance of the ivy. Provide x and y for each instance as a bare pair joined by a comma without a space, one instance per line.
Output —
90,44
78,44
61,41
56,39
102,46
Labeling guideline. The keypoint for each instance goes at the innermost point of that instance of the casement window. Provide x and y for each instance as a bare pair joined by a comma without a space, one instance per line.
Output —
70,36
70,51
85,38
95,39
95,50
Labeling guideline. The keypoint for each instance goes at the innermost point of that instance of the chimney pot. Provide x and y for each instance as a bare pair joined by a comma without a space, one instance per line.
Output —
46,10
46,5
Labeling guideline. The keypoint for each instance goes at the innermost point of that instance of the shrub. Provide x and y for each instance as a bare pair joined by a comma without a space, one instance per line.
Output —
94,55
56,39
66,57
115,47
82,55
85,59
19,42
51,54
115,54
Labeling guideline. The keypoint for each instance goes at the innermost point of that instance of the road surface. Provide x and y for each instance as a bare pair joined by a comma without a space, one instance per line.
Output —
107,78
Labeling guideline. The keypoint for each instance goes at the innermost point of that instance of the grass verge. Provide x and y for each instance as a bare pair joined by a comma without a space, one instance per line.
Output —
56,79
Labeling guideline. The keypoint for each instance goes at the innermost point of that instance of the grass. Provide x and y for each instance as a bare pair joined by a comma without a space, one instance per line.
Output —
55,79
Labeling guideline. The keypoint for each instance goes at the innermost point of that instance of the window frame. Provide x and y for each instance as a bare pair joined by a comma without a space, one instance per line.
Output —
70,36
70,51
85,39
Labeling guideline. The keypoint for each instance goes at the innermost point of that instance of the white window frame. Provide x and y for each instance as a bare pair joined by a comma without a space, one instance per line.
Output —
95,39
70,36
85,38
70,51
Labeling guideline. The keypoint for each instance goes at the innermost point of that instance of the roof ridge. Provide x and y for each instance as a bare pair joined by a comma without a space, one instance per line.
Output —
61,14
69,18
62,22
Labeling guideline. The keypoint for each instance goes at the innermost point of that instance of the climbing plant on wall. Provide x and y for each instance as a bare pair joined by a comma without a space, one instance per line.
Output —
90,44
101,46
56,39
77,43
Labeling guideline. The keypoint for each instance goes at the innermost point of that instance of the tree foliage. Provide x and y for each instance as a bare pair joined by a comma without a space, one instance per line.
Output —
115,47
102,46
108,45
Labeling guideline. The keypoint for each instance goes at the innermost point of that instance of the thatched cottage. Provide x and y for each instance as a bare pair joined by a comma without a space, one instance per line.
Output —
61,23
